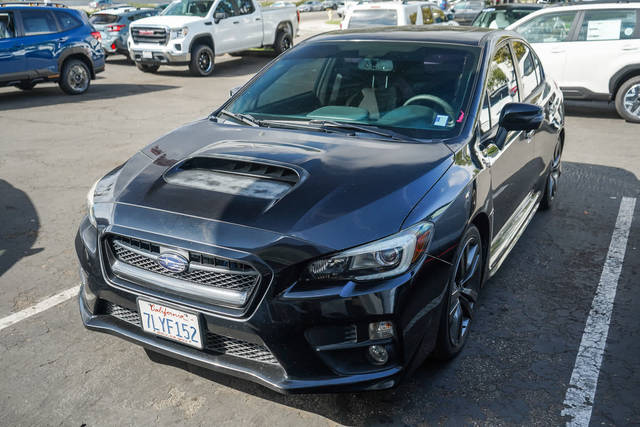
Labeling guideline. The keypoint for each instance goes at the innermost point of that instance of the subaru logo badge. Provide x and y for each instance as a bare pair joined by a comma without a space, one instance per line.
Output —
173,262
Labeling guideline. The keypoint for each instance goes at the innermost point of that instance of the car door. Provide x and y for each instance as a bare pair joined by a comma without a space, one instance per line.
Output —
606,41
251,22
512,174
40,43
228,32
12,59
550,35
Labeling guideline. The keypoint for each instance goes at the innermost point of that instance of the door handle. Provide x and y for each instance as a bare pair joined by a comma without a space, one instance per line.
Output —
236,22
628,48
557,50
207,23
258,19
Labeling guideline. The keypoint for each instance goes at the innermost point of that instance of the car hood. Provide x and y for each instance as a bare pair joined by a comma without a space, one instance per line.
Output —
332,190
166,21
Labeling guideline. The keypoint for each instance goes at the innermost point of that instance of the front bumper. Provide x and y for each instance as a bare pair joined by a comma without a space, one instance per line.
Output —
296,330
158,57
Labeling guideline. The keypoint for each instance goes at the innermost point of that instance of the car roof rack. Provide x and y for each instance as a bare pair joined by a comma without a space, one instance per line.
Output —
31,3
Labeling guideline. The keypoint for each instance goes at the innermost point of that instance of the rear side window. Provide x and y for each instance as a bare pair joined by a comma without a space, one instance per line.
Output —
526,67
246,7
7,26
370,18
608,25
548,28
502,84
38,22
67,21
103,18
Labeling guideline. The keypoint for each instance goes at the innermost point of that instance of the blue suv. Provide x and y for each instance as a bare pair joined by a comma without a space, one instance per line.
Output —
48,43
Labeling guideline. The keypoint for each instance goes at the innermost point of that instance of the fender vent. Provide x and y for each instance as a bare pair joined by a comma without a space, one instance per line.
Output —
250,179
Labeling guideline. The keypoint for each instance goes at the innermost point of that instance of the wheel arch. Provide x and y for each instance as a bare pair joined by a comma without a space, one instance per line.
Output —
76,53
206,39
621,76
286,26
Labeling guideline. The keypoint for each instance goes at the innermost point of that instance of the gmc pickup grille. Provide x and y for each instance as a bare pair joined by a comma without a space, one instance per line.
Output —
150,35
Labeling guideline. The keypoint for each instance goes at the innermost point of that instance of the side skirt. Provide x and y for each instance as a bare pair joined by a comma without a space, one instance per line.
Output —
506,238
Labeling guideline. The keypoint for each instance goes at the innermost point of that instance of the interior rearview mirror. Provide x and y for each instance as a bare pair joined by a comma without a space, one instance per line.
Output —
234,90
218,16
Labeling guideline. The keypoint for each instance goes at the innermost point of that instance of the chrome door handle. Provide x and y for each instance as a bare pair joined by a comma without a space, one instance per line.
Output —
236,22
628,48
257,19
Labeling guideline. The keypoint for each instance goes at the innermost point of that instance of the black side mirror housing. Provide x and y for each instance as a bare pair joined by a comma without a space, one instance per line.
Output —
519,116
234,90
219,16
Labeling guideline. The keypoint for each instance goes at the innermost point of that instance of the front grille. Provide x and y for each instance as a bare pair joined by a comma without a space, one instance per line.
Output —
228,275
214,343
150,35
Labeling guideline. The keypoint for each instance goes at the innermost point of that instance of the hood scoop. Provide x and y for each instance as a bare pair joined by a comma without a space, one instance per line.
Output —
232,176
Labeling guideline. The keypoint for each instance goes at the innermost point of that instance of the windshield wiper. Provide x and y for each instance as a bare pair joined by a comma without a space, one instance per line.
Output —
360,128
247,119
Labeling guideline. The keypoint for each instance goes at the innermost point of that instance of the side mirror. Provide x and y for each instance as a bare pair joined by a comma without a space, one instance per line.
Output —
234,90
517,116
219,16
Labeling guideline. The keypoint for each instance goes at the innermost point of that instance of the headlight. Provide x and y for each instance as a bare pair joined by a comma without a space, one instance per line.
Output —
178,33
90,195
388,257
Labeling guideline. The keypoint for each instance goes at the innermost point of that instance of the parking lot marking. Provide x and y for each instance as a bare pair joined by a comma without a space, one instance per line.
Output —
584,379
39,307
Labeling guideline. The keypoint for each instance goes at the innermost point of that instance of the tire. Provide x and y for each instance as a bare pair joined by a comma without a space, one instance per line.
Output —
283,42
202,61
145,68
26,85
75,78
553,178
628,100
461,296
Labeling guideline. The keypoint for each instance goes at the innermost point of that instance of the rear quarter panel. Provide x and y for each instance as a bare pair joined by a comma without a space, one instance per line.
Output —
272,17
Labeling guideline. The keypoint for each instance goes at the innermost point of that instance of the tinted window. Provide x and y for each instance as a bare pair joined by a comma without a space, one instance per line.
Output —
227,7
246,7
67,21
485,119
526,67
502,85
607,25
500,18
38,22
418,89
103,18
548,28
7,26
188,8
370,18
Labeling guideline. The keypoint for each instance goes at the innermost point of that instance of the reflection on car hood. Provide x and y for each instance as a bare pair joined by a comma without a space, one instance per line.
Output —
330,189
166,21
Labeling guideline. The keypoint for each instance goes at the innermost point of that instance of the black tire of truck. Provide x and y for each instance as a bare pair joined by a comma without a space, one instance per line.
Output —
145,68
283,42
202,61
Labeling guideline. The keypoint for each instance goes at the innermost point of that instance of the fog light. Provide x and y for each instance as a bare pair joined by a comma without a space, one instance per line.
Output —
378,354
178,47
380,330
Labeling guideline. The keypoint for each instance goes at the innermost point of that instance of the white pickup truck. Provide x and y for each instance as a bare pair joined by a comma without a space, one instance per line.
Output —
193,32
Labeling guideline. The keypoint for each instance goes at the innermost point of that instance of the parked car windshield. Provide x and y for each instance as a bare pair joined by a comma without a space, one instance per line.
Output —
499,19
103,18
418,89
373,18
188,8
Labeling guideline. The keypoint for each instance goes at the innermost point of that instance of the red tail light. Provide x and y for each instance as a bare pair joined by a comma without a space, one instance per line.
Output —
96,35
298,15
115,28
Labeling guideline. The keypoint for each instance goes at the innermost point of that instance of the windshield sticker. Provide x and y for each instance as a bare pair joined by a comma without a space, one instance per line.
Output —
604,30
441,120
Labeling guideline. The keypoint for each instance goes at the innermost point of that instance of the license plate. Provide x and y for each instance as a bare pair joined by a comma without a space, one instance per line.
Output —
171,323
147,55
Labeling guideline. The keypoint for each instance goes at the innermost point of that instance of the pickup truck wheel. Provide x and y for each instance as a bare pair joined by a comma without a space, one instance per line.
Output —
145,68
75,78
628,100
26,85
202,61
284,41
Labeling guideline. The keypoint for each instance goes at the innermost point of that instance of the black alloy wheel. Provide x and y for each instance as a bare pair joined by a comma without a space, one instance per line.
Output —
202,61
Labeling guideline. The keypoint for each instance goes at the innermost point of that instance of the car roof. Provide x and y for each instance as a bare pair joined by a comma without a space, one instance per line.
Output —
594,5
124,10
472,36
34,5
383,5
534,6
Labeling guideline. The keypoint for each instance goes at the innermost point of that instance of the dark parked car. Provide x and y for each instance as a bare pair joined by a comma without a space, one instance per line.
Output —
465,11
113,25
48,43
501,16
332,224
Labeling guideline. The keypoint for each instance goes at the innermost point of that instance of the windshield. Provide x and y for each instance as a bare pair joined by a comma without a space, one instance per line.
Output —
372,18
188,8
499,19
420,90
103,18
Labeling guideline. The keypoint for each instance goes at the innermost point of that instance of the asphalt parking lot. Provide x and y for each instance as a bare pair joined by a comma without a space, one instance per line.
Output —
515,369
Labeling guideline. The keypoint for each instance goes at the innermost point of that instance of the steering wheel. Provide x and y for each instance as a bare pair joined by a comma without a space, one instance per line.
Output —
444,105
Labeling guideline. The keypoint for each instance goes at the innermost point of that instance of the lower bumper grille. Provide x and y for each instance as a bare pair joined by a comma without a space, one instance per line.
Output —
214,343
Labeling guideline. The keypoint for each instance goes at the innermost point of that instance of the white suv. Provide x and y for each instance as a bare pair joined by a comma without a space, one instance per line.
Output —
591,50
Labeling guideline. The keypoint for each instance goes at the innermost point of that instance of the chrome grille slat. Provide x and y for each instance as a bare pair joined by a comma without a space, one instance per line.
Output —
214,343
159,36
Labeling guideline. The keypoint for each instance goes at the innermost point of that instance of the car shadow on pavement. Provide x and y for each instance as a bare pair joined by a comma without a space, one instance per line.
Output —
591,109
226,66
48,94
19,225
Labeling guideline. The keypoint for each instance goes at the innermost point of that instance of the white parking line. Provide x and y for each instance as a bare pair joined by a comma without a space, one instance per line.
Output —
5,322
584,379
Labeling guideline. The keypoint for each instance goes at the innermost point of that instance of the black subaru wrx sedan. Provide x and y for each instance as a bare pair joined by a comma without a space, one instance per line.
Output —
331,225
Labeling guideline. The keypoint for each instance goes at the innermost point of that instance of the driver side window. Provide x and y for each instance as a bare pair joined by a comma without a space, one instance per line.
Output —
502,84
227,7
